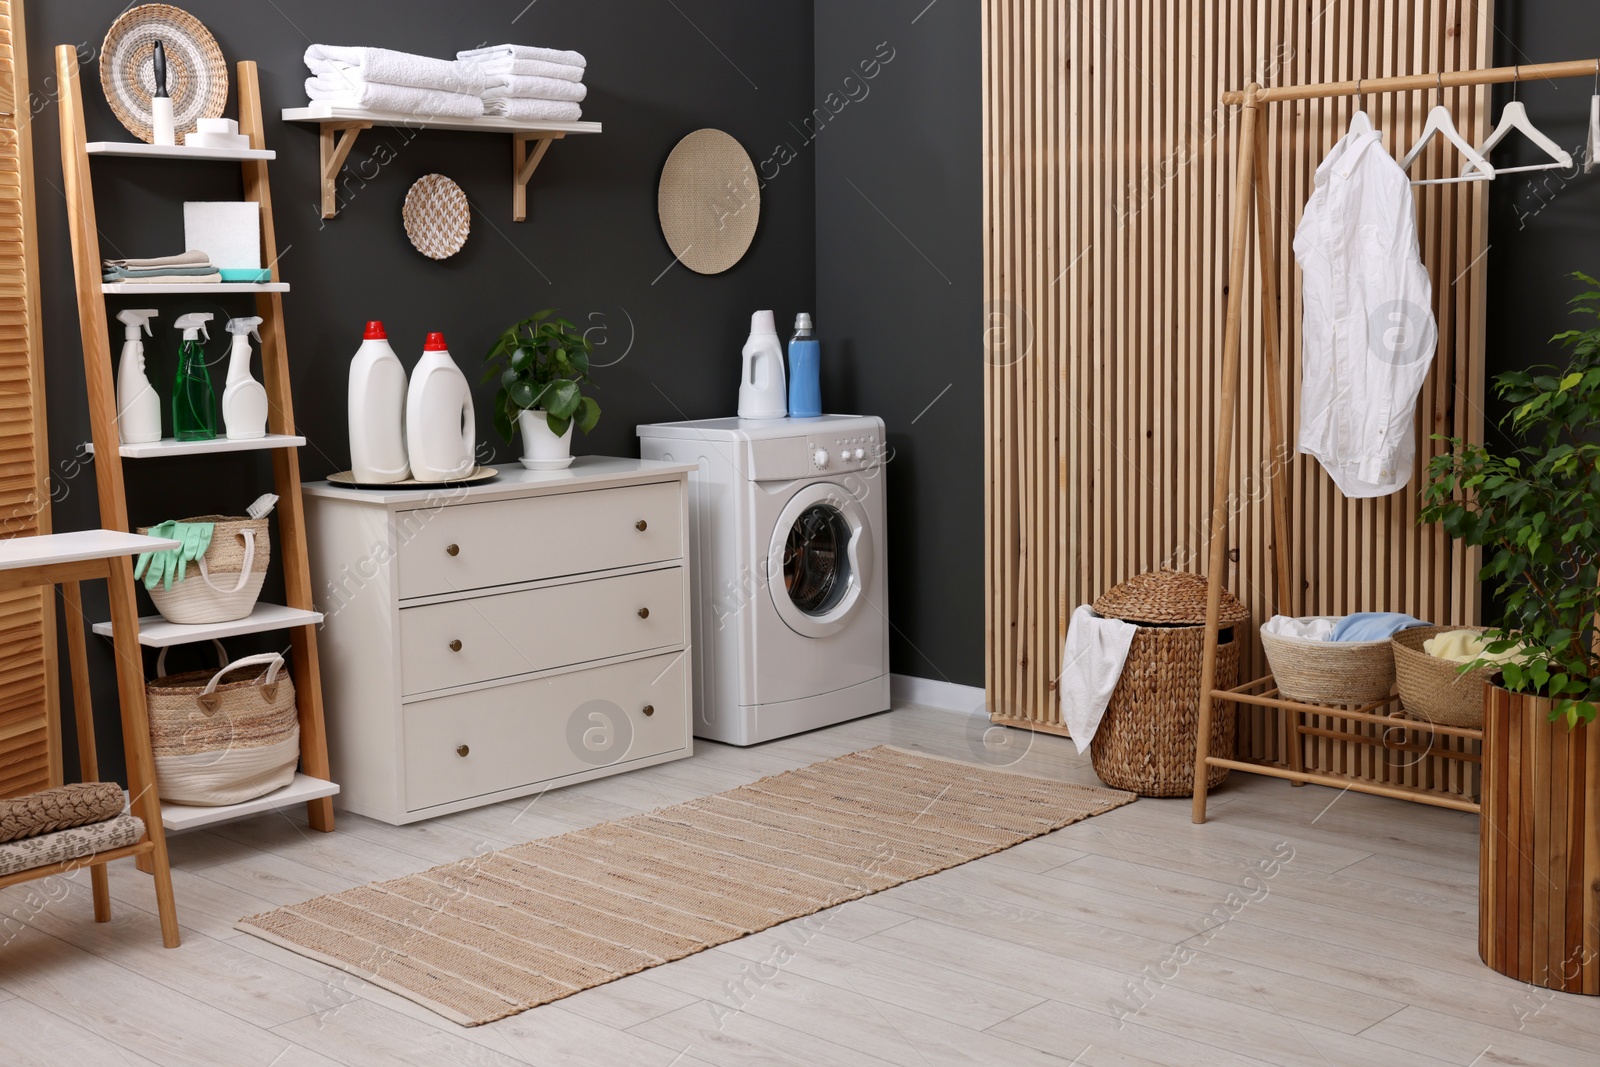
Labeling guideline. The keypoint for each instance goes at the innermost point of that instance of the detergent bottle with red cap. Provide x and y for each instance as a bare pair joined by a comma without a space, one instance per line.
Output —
441,427
377,410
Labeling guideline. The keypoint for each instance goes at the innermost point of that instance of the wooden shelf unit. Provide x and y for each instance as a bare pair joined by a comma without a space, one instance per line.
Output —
301,622
340,126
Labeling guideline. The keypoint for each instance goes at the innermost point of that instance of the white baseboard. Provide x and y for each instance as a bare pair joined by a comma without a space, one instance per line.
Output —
929,693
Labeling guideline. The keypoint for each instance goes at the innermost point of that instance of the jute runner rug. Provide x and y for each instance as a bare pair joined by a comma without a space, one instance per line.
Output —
496,934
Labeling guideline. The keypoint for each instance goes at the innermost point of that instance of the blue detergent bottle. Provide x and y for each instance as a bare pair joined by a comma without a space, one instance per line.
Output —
805,369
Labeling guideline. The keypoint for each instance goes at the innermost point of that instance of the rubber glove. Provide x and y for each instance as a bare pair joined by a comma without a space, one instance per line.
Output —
152,565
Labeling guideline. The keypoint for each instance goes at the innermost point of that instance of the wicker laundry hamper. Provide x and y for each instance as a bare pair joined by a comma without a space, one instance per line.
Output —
1145,743
221,742
1437,690
227,583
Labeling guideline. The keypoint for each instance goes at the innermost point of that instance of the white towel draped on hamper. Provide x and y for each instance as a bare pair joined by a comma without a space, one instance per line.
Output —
1091,665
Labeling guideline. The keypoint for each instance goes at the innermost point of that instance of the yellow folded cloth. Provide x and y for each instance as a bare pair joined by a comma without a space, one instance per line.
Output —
1464,646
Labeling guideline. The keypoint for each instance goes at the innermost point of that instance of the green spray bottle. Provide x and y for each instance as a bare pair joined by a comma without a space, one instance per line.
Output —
194,402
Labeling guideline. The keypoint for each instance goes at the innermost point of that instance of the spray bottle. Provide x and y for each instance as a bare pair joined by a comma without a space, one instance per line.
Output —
244,401
138,406
194,402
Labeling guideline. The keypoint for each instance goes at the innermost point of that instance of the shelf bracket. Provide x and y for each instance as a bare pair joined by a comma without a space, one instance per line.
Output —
338,138
523,163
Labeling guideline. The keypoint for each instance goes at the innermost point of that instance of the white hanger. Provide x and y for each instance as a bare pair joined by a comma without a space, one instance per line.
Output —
1515,119
1440,122
1360,122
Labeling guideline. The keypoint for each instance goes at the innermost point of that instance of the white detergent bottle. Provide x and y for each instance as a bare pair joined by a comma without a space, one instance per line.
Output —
377,410
763,393
244,400
138,405
441,431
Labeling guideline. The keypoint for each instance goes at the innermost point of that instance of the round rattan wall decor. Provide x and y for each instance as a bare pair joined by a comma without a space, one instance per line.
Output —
709,201
437,216
197,76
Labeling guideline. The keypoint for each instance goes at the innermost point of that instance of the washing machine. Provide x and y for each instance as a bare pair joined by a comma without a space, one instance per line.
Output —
790,618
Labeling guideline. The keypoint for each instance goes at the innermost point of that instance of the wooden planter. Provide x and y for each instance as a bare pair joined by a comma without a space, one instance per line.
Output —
1539,871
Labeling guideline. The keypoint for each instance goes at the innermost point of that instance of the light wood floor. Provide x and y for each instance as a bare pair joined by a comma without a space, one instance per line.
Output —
1132,938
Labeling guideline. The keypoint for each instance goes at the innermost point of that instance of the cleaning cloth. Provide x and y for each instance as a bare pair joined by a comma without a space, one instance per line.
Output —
191,258
123,274
1464,646
1092,661
1373,626
160,568
1315,628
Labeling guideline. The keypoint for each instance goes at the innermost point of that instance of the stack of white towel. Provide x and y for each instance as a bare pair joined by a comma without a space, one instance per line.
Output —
511,80
530,84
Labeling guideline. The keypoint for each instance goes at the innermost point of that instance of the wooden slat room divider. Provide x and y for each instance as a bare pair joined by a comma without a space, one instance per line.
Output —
1107,197
30,750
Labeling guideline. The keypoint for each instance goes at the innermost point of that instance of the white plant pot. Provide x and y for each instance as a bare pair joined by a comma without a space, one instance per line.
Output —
541,449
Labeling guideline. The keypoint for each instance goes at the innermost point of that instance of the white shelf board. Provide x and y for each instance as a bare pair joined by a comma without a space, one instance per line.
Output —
169,446
492,123
156,632
179,817
43,550
154,288
139,149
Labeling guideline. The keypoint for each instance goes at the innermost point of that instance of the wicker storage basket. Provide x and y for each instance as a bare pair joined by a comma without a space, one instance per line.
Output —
228,580
224,743
1145,742
1341,673
1435,690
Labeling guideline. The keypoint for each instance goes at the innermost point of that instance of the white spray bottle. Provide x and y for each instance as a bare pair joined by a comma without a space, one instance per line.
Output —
244,401
138,405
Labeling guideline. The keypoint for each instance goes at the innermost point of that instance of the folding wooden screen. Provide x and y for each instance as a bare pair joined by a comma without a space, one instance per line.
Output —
1107,198
30,756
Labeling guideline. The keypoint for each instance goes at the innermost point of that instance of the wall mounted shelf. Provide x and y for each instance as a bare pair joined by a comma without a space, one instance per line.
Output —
156,632
176,818
168,446
175,288
140,150
340,126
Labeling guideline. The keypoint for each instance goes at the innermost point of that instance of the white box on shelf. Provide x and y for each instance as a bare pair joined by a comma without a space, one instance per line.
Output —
229,231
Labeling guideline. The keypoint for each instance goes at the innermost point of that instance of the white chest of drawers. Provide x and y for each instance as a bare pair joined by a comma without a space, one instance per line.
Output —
488,642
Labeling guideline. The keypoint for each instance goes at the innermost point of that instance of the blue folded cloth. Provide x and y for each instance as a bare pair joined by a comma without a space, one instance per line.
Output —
1373,626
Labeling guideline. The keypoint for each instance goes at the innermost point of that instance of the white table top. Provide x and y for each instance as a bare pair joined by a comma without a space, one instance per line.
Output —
75,547
586,472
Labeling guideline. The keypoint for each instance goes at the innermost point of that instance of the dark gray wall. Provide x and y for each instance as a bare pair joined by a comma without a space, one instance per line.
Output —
900,296
591,246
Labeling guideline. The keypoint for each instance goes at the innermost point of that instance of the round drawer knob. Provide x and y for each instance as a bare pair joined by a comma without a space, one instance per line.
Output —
649,710
455,646
644,613
462,750
452,550
641,526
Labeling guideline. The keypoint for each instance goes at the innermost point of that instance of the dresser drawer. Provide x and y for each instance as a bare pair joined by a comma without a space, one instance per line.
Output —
486,637
515,735
503,542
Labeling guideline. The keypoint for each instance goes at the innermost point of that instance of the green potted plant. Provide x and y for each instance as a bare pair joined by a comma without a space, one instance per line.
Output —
1533,506
542,364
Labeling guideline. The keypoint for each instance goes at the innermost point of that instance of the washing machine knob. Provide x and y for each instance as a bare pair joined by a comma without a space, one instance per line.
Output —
821,458
861,453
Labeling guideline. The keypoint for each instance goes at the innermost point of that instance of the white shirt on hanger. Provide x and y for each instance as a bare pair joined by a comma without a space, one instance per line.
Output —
1368,328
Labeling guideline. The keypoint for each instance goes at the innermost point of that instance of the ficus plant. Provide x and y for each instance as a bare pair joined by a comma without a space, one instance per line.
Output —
1534,509
542,364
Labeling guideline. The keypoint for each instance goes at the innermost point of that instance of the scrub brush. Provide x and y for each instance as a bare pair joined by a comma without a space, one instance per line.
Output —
263,506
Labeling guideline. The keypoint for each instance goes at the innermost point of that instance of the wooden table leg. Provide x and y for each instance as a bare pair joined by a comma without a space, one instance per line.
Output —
83,717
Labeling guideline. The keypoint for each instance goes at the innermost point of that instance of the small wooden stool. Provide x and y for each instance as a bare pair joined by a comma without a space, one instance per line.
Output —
66,560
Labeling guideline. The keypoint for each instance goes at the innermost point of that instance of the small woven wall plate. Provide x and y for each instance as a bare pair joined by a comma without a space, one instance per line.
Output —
709,201
197,76
437,216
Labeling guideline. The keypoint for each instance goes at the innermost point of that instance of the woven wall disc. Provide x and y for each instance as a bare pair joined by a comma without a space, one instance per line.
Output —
709,201
197,76
437,216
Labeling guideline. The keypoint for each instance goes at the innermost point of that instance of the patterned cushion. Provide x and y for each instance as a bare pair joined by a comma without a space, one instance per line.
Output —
65,806
70,844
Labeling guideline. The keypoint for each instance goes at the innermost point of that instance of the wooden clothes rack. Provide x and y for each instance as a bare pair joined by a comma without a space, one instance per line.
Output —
1253,199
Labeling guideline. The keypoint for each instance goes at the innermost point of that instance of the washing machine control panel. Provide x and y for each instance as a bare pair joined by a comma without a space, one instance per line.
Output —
845,452
785,459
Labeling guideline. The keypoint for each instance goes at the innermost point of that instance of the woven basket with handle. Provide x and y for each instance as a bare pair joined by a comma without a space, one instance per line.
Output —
1437,690
228,580
219,742
1145,742
1340,673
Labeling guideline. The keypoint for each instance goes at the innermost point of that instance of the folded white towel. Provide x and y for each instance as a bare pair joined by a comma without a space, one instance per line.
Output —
1312,628
1091,665
533,110
525,51
396,68
528,68
341,90
520,88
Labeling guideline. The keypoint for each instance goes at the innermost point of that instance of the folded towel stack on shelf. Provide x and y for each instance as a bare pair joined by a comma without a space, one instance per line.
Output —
530,84
377,79
187,267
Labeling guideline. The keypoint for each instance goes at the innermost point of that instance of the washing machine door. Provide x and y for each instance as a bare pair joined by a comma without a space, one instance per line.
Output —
820,560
